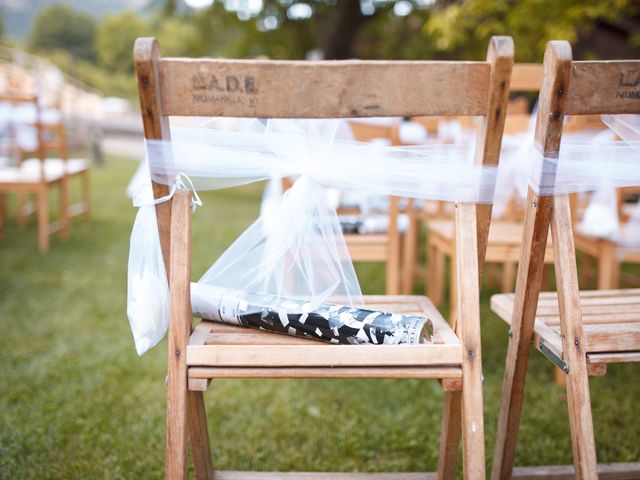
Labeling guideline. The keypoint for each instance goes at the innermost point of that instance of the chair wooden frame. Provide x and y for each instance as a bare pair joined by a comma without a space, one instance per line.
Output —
38,183
569,88
310,90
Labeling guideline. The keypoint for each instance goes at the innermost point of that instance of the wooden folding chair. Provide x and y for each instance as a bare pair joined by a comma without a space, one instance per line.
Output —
55,143
579,332
170,86
37,181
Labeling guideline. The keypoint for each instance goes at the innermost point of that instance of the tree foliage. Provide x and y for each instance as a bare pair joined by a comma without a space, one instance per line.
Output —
59,27
464,27
115,38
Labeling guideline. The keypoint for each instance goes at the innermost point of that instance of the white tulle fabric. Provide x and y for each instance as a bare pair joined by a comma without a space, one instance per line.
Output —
296,247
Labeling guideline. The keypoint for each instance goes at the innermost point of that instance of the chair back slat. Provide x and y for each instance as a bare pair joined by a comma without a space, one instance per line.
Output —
328,89
605,87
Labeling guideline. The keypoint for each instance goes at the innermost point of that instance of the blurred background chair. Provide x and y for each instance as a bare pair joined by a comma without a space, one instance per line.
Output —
55,143
25,131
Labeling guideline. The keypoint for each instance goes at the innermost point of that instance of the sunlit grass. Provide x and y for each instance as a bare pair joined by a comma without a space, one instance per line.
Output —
77,402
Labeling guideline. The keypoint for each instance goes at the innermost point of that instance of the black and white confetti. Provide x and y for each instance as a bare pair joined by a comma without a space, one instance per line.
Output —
333,323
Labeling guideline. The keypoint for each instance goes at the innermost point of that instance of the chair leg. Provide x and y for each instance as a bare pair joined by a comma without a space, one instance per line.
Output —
545,286
587,271
22,217
64,207
3,214
581,422
453,290
410,253
176,468
608,267
86,193
508,277
429,288
472,422
510,407
450,435
199,437
436,275
43,220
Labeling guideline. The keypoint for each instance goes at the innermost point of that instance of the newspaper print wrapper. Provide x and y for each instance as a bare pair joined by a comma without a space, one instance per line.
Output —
330,322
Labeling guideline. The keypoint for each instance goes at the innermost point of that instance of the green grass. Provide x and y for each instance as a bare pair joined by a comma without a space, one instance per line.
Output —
77,402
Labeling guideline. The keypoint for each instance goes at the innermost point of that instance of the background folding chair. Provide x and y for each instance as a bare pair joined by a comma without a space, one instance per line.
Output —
55,143
579,332
325,89
36,180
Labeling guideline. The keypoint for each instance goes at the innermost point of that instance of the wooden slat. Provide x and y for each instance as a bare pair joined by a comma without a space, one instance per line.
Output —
322,355
613,357
300,89
606,471
619,295
614,337
604,87
345,372
230,475
601,318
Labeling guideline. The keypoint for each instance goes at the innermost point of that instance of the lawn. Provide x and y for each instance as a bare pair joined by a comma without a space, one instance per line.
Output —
77,402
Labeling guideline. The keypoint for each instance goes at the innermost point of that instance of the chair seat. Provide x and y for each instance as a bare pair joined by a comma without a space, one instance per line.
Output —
505,238
56,166
611,322
230,351
17,176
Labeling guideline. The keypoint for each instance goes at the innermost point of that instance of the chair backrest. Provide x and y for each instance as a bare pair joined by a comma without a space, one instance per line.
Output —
326,89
